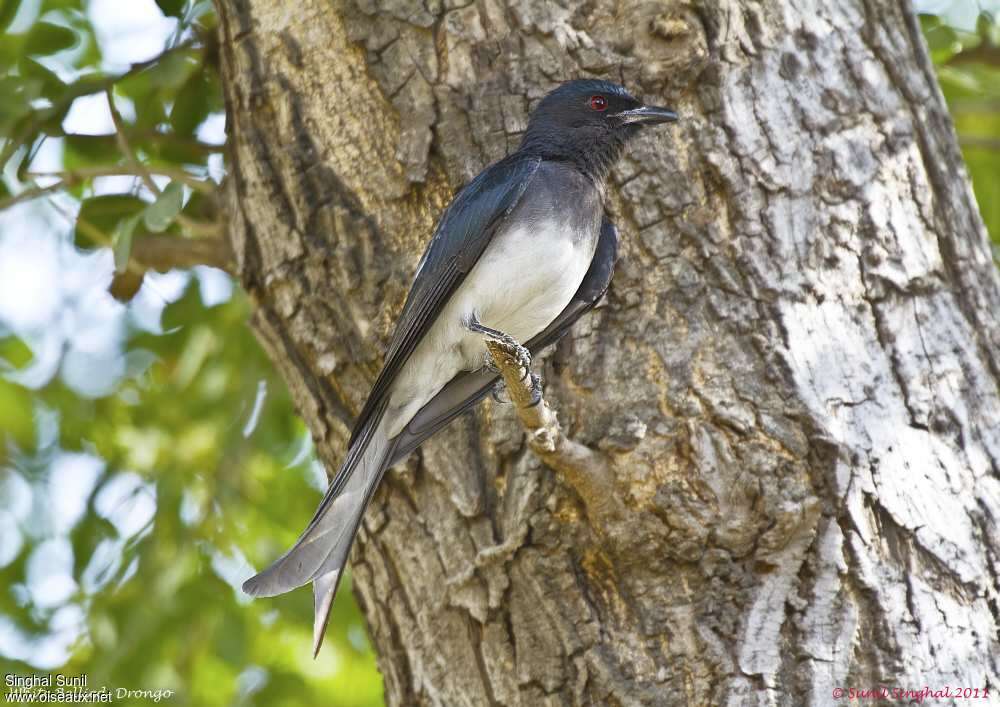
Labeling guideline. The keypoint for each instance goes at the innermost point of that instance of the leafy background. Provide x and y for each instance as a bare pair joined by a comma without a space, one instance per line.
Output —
149,454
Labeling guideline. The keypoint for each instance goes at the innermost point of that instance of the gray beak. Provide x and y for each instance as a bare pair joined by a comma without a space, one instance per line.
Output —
648,115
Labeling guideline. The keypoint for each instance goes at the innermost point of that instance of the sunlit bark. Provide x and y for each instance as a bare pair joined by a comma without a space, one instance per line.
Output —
794,379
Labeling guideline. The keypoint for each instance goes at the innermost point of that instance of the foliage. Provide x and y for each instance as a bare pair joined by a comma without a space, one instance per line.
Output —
132,482
968,67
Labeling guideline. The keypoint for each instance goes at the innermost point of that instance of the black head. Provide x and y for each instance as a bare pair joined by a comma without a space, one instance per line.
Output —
589,122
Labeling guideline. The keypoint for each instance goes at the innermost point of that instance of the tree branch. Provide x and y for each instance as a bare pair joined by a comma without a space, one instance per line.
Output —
73,176
161,252
34,192
123,143
99,141
979,142
193,227
83,87
587,471
984,53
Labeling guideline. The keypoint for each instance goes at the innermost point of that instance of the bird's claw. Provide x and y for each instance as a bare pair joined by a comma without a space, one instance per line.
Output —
519,352
524,360
536,390
491,365
496,390
522,355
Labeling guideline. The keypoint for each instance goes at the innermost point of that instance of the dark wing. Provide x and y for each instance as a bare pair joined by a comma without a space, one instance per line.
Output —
467,388
462,235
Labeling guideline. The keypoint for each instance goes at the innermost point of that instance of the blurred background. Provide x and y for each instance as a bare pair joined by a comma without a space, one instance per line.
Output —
149,454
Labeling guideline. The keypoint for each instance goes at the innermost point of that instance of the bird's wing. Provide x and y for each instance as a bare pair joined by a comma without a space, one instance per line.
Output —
467,388
462,235
460,239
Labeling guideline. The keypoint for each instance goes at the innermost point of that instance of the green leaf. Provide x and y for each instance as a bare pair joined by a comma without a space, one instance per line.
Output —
10,50
123,242
169,73
88,150
153,89
184,311
106,212
203,14
14,352
16,103
201,207
941,38
162,212
174,69
150,113
8,8
957,81
48,38
192,104
928,22
59,5
167,151
52,86
172,8
16,422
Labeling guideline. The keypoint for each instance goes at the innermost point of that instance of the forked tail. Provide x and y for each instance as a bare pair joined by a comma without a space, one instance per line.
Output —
320,553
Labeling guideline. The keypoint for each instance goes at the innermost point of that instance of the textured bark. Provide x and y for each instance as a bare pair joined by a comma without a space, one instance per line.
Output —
794,378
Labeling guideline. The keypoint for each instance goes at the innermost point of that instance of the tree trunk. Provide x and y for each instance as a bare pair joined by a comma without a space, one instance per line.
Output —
794,379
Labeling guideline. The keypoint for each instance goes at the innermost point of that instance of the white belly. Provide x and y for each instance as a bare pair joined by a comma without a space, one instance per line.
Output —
520,284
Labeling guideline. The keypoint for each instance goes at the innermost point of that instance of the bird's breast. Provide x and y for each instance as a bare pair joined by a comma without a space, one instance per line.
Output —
526,277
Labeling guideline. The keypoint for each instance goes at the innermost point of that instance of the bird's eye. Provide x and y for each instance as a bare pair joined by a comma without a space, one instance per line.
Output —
598,102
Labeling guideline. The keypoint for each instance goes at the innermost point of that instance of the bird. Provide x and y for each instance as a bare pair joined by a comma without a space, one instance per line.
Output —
519,255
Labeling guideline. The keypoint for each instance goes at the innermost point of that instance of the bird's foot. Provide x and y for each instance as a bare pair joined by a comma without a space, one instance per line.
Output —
519,352
496,392
536,390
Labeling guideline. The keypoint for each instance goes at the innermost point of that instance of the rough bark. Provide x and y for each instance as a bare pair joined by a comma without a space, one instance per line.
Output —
794,378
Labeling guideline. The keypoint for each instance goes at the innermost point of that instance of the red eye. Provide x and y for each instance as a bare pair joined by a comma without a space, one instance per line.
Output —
598,102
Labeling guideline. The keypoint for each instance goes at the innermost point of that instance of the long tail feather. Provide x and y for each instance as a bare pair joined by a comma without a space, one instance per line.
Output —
324,590
320,554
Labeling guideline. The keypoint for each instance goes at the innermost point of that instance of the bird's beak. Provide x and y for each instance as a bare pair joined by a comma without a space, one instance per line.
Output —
647,115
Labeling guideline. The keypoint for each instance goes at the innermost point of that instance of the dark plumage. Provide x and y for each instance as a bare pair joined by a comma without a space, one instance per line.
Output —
564,127
523,250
